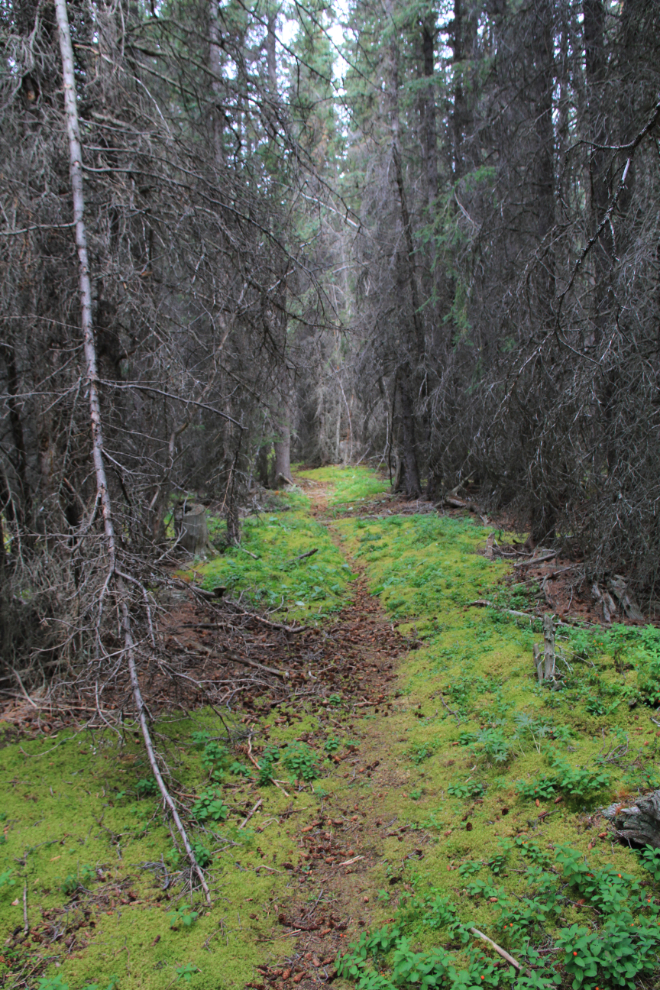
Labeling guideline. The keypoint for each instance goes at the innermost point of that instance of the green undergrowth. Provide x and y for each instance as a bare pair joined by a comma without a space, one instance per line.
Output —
307,589
493,765
488,786
348,486
82,839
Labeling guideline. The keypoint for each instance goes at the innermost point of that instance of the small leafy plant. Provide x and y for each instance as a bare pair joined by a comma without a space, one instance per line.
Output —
183,914
186,972
466,790
146,787
300,760
266,765
543,788
202,855
209,806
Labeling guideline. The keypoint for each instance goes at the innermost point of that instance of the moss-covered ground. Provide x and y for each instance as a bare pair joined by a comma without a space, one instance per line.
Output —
466,797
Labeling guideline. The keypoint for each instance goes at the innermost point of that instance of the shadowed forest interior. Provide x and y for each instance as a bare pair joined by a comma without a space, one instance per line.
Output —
329,392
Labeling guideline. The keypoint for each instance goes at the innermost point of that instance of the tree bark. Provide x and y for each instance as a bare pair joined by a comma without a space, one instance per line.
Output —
411,483
89,346
430,142
283,447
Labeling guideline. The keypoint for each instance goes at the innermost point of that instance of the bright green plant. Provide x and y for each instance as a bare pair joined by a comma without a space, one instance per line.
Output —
186,972
183,914
578,782
266,765
209,806
470,868
543,788
466,790
239,769
300,760
215,759
200,739
650,860
202,855
331,745
52,983
616,955
6,879
112,985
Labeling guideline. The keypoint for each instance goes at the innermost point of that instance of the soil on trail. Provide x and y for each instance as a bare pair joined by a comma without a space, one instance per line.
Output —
339,846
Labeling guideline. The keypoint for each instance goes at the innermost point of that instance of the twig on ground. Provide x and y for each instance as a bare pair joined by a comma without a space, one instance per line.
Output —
249,816
259,666
498,948
302,556
536,560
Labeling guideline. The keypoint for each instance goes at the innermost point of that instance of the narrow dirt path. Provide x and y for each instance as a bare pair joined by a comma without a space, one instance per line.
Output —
339,848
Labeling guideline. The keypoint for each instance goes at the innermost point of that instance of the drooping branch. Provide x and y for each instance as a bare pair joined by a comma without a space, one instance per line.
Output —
92,379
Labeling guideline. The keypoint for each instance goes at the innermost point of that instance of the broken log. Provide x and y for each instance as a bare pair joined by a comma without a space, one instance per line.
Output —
640,823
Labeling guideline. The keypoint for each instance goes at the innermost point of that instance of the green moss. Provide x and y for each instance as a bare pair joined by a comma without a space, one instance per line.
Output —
306,589
468,724
349,485
72,819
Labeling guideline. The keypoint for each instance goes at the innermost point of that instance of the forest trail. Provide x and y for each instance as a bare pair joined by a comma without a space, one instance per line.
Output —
408,782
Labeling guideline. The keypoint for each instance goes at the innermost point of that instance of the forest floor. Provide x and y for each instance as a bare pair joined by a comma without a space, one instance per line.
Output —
388,780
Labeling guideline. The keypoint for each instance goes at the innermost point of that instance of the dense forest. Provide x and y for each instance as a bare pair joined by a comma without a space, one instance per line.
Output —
253,254
418,235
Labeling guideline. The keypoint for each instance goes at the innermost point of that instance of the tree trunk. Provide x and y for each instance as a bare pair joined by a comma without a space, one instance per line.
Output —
411,483
430,142
283,449
115,576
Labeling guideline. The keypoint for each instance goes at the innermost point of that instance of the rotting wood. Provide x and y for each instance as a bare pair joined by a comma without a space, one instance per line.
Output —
538,662
549,640
115,577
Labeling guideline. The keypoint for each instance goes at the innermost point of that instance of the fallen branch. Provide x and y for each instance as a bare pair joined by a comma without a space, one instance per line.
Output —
246,820
349,862
536,560
302,556
259,666
498,948
249,552
267,622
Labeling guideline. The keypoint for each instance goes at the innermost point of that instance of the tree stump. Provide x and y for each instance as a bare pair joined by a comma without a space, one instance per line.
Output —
193,530
640,823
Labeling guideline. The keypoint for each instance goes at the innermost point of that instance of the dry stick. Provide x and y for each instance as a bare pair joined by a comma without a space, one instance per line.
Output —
267,622
26,926
253,663
75,152
246,820
498,948
302,556
549,656
536,560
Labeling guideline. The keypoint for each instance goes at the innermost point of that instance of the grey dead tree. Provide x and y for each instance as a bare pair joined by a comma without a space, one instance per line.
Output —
116,580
